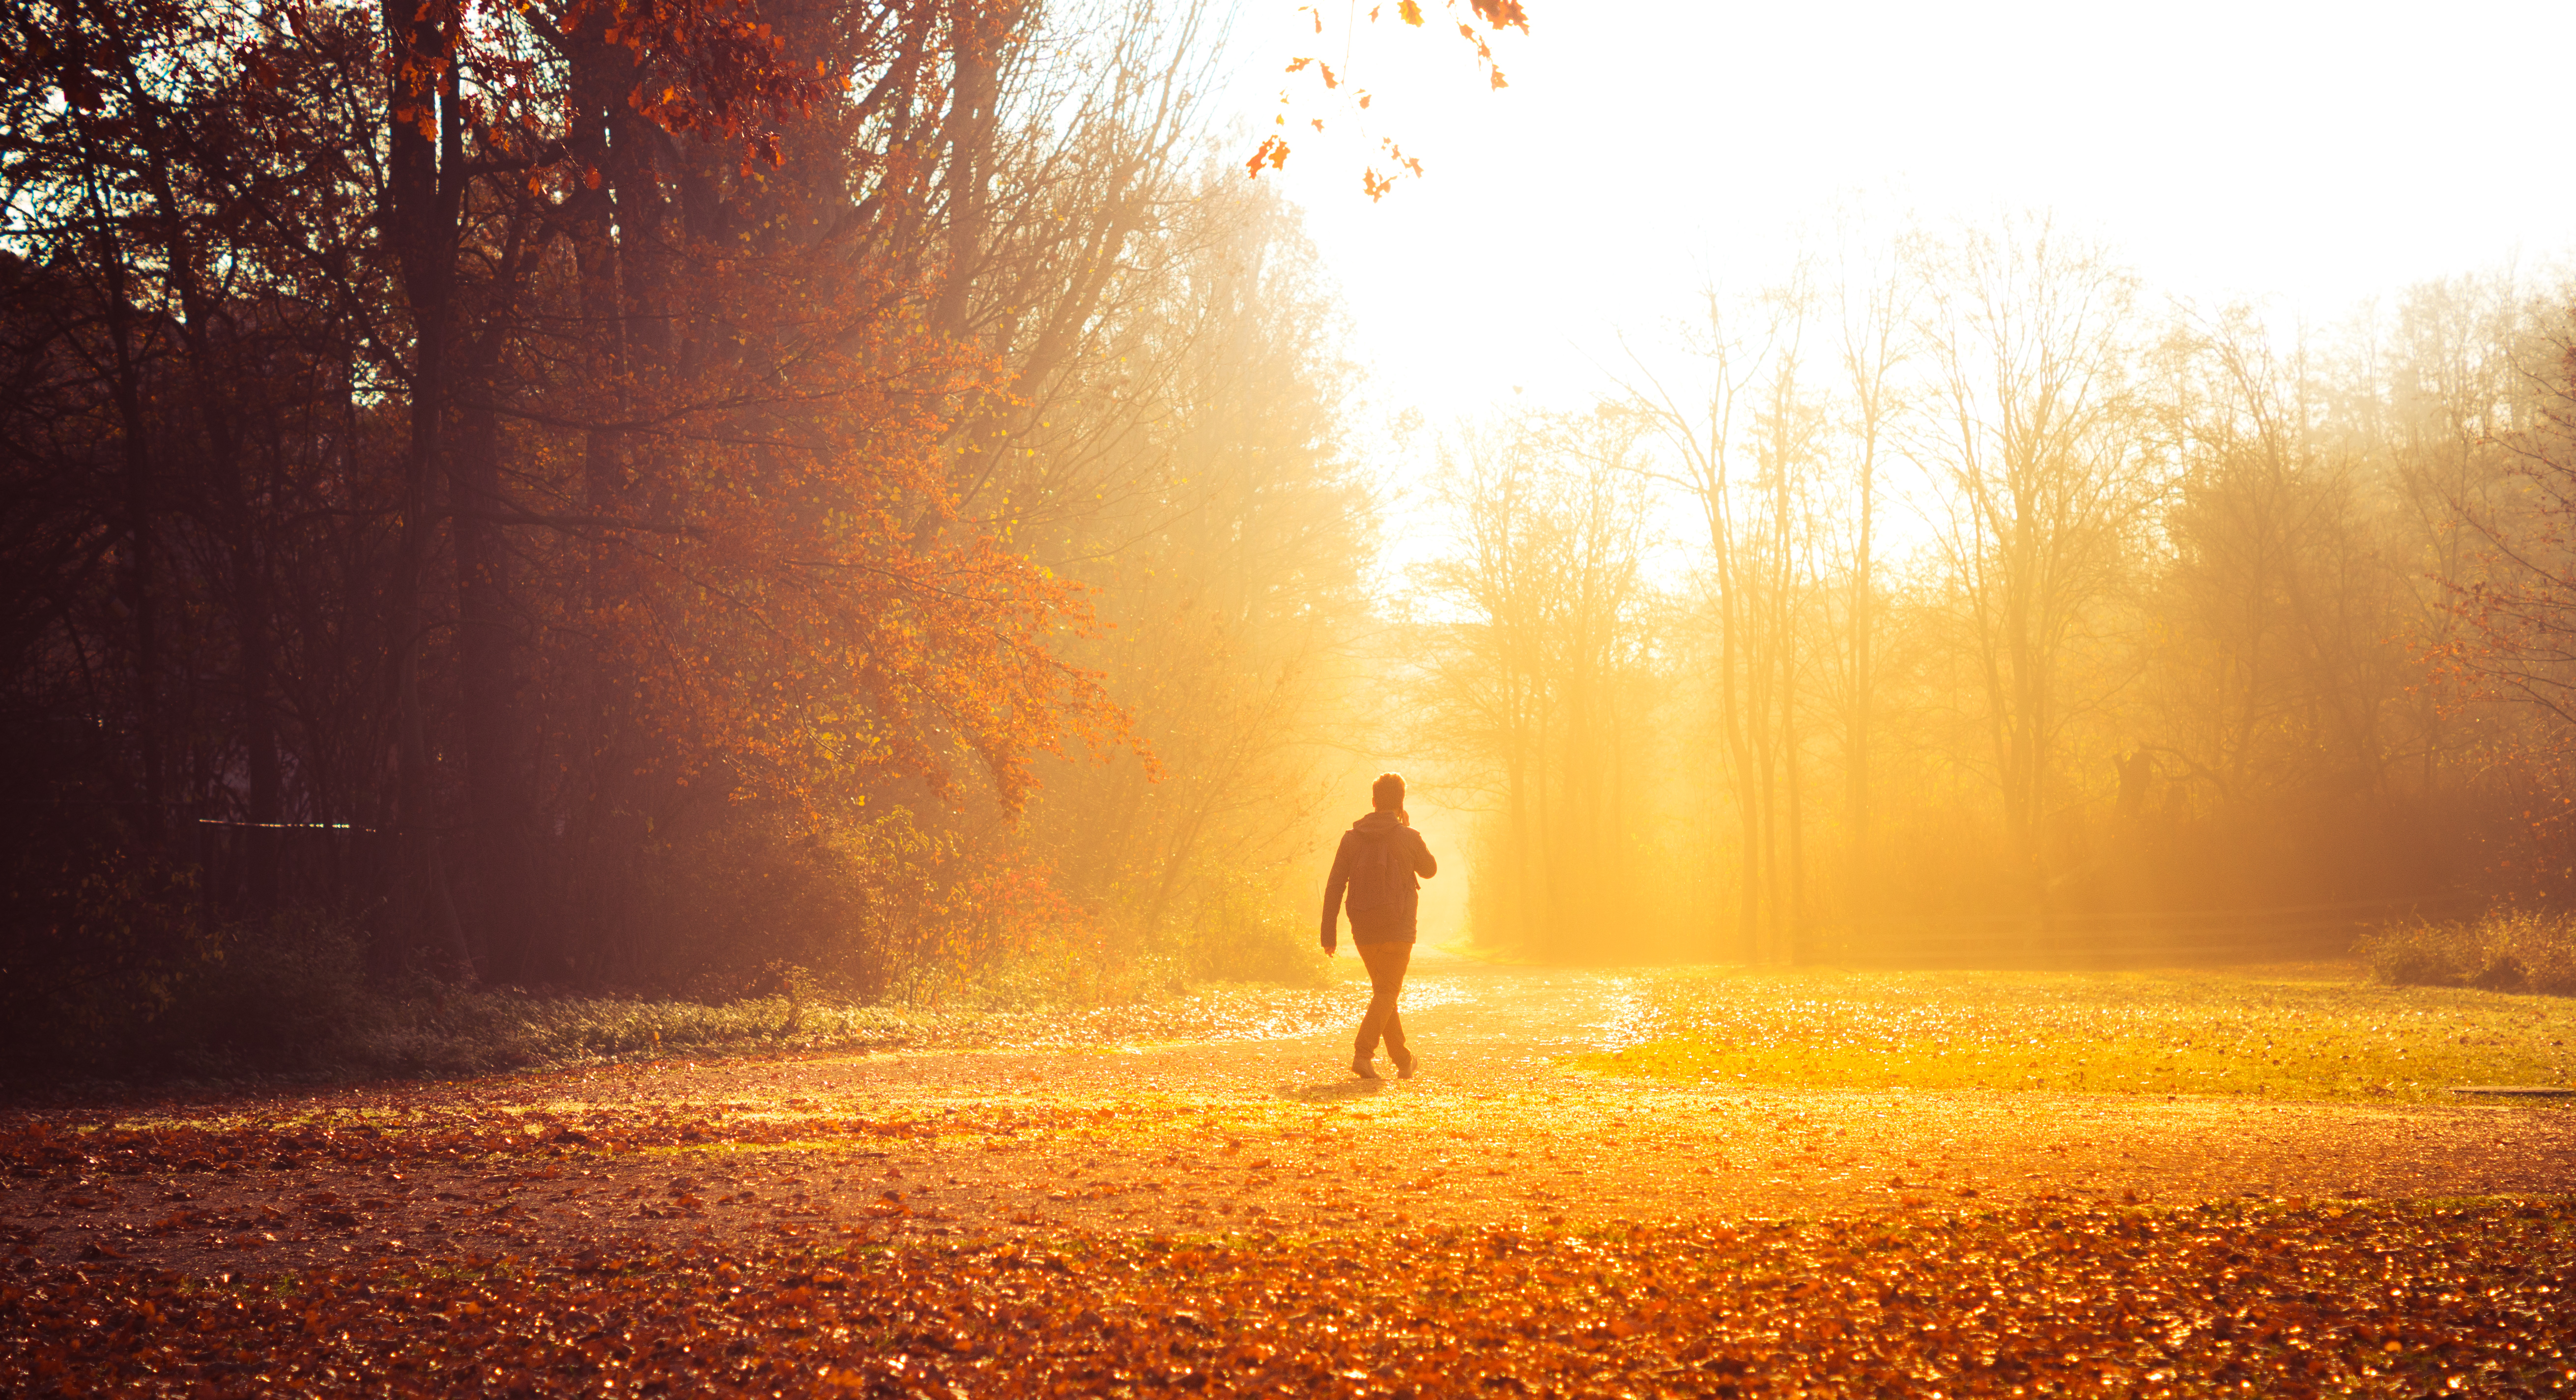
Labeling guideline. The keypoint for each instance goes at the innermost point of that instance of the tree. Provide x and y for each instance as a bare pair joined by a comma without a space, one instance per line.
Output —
2521,602
2042,480
1538,684
1874,298
1226,536
1744,453
2276,611
590,456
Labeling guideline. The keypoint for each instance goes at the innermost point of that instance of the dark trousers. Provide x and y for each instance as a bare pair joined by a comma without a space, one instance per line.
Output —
1386,964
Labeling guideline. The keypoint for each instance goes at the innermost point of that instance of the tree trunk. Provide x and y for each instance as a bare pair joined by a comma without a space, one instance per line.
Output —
501,841
424,195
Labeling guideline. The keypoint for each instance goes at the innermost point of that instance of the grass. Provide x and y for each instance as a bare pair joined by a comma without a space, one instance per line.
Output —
2310,1032
473,1032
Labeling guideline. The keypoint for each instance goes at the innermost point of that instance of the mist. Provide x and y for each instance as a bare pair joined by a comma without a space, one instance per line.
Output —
1954,596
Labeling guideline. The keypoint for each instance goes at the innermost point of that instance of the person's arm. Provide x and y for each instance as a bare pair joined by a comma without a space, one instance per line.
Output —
1423,864
1334,884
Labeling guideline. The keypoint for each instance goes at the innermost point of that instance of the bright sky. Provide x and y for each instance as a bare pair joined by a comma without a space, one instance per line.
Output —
2312,154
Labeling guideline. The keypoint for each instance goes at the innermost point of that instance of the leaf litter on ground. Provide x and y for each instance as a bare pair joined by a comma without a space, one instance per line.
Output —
1504,1227
2379,1299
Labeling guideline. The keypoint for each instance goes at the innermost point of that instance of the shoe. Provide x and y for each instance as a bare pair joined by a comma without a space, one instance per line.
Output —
1360,1066
1404,1063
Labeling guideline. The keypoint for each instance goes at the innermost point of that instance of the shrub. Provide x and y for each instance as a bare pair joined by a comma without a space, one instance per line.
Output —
2509,950
885,908
461,1031
2421,955
284,996
97,942
111,973
2528,951
1239,933
287,995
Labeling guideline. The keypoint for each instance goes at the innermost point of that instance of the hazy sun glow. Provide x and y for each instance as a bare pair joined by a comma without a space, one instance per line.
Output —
2313,155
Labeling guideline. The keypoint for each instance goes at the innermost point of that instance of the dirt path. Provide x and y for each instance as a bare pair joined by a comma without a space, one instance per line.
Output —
1265,1132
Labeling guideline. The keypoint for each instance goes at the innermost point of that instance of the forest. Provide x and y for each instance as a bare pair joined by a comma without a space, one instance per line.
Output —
875,501
1954,596
663,497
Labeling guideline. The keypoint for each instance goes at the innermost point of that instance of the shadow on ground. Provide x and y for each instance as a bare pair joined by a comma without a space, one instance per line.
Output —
1343,1091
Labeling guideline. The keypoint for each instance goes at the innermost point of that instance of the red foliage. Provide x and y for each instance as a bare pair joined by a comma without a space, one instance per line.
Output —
1496,15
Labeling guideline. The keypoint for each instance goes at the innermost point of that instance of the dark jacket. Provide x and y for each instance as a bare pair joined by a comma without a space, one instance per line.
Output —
1376,866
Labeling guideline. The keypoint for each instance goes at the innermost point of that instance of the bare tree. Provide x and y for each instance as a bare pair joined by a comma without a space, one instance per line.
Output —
2443,389
2524,607
1536,683
2274,608
1874,293
1742,436
2040,476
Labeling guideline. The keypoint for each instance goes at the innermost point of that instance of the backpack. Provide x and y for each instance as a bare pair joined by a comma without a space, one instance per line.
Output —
1381,872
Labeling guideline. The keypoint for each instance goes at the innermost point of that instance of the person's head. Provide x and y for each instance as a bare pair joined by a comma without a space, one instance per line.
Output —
1387,793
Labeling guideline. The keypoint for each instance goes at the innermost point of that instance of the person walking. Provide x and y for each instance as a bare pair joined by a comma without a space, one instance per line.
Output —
1375,867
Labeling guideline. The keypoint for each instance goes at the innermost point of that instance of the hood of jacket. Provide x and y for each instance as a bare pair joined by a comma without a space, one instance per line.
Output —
1378,824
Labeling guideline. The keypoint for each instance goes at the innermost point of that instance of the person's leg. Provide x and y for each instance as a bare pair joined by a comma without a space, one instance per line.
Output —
1373,1020
1364,1045
1386,964
1398,958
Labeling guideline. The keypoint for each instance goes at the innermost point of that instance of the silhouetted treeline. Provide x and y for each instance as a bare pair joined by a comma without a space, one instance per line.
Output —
2005,612
627,496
